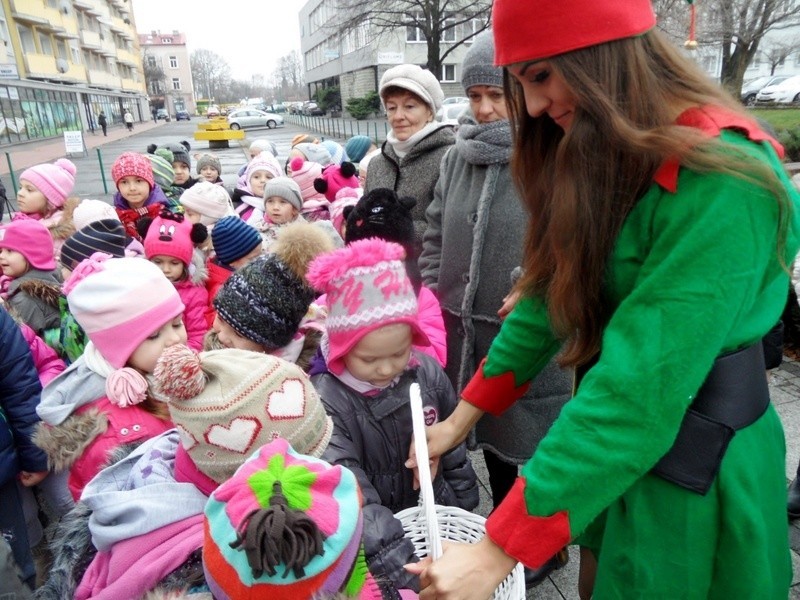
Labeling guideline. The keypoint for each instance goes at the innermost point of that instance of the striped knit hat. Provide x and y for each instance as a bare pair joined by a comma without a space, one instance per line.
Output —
119,302
319,506
367,289
163,173
233,239
106,236
226,403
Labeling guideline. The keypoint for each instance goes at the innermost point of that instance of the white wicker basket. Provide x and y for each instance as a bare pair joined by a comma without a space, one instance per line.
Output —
453,524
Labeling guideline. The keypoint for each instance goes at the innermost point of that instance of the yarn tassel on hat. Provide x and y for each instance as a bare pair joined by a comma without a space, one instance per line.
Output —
691,43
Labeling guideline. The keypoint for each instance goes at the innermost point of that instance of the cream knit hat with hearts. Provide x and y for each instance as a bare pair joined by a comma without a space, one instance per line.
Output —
227,403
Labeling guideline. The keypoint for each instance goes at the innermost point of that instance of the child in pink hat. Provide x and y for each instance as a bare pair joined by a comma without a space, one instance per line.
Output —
369,366
44,195
305,173
30,286
130,313
170,245
248,197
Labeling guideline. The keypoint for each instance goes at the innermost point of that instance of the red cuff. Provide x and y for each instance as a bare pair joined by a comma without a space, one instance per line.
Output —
493,394
531,540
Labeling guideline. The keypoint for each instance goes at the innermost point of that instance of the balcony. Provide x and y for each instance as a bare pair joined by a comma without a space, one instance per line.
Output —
29,11
118,25
127,58
103,79
41,65
75,74
129,85
91,39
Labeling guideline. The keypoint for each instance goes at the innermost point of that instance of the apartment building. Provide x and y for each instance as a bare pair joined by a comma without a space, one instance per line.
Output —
356,59
62,62
168,52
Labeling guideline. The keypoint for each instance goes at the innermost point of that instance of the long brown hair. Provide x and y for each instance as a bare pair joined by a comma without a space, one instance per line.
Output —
580,185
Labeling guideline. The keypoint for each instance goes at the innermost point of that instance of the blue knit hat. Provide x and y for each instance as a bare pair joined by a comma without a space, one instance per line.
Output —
357,146
337,151
233,238
106,235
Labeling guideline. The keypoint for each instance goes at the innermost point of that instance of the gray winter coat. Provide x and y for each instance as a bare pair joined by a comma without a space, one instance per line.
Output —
371,437
476,228
34,298
413,175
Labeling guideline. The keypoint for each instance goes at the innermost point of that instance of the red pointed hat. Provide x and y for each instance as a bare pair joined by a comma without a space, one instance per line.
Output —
527,30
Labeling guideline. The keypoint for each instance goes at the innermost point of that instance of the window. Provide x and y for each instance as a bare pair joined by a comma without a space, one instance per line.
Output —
166,40
471,28
448,73
176,83
414,33
173,62
448,30
45,44
26,39
61,49
151,61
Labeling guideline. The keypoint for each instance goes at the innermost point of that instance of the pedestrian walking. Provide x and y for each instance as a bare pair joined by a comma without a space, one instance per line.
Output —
660,227
101,119
128,119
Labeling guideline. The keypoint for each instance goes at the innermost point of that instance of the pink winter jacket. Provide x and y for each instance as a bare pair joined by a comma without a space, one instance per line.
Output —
432,323
195,298
47,362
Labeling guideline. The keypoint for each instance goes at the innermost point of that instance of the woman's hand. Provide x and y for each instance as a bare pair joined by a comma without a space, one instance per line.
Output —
464,572
29,479
509,302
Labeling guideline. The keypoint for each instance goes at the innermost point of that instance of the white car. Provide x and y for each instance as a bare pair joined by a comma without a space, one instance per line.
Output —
449,113
250,117
456,100
785,92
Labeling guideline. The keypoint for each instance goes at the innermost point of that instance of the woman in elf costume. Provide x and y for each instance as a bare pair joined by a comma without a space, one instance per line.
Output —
661,225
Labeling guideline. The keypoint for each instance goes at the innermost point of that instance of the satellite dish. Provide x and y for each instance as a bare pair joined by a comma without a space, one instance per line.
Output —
62,65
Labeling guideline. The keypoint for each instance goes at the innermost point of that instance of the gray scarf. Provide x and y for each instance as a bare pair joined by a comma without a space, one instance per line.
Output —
483,144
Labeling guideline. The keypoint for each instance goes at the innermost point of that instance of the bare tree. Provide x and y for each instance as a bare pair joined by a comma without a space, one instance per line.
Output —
777,52
288,76
443,24
210,72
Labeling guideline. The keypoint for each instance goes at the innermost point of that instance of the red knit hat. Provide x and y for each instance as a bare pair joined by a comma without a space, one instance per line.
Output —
132,164
525,31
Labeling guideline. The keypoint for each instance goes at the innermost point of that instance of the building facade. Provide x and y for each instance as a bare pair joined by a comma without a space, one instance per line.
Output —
64,61
356,59
167,52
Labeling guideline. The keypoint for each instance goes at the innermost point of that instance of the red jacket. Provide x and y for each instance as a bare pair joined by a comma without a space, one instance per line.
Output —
218,274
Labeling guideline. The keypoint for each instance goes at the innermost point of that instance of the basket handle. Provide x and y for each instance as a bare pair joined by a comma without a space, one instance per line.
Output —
425,480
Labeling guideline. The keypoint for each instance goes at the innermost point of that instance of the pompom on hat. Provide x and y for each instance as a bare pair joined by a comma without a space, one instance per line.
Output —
418,81
226,403
525,33
89,211
367,289
304,173
209,200
31,239
336,177
286,527
55,180
132,164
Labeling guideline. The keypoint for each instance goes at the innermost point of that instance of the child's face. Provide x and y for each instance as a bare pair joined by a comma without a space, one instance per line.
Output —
247,258
209,173
192,216
169,334
182,172
229,337
134,189
171,267
381,355
279,210
12,263
30,200
258,181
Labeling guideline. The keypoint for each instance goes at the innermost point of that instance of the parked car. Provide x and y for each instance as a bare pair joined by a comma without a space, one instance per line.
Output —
449,113
183,115
162,114
311,109
455,100
212,111
751,88
785,92
250,117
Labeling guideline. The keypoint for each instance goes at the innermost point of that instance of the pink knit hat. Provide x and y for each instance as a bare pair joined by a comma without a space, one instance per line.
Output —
346,196
31,239
119,302
367,288
263,162
132,164
170,235
55,180
304,172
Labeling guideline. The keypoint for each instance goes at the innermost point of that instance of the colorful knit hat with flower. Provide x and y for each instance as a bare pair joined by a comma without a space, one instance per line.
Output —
286,527
226,403
55,180
367,289
119,303
173,235
132,164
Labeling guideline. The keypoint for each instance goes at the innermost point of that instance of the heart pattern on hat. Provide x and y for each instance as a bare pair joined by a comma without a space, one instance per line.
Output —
238,436
187,439
289,402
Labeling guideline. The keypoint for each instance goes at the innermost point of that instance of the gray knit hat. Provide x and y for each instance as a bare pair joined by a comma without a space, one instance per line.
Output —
209,160
478,67
286,188
416,80
314,152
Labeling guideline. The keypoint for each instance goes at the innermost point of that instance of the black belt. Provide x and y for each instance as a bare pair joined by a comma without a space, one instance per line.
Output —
734,395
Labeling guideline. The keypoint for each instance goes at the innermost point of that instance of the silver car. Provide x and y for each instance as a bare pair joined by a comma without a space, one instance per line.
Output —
250,117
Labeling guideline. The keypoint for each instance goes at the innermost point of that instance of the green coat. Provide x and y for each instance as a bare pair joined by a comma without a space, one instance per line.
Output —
695,273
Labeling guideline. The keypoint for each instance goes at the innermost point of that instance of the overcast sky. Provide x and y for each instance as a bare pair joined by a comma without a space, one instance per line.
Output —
249,35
